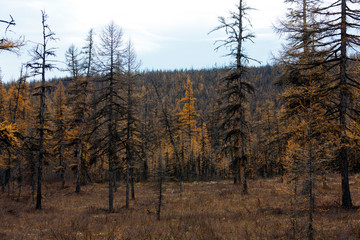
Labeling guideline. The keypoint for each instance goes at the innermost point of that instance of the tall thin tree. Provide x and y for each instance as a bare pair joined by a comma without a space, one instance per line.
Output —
130,131
110,99
39,65
235,88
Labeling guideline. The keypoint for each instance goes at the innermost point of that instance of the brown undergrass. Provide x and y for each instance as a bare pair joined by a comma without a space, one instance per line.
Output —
207,210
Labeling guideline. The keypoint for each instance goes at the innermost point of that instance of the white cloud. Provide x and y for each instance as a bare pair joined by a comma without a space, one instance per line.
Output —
155,26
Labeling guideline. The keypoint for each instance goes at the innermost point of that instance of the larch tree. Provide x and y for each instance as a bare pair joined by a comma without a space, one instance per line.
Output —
166,120
111,109
88,54
73,64
18,108
340,34
235,89
130,132
39,65
9,44
147,133
60,135
8,140
304,99
204,160
88,67
187,125
5,163
79,91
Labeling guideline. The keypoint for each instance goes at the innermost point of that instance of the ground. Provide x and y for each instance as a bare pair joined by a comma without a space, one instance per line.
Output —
206,210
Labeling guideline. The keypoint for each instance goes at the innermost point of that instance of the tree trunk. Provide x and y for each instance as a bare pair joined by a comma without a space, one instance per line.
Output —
21,178
160,179
115,181
244,189
61,163
345,187
3,183
78,170
310,230
40,156
127,181
132,180
33,184
110,157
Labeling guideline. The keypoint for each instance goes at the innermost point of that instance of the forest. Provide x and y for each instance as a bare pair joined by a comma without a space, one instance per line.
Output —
282,138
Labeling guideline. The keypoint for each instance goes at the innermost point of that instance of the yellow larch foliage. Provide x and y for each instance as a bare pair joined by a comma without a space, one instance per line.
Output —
188,115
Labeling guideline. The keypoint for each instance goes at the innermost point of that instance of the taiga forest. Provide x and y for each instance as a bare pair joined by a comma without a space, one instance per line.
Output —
244,151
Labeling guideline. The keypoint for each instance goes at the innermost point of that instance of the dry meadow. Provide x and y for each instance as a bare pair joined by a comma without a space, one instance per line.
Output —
206,210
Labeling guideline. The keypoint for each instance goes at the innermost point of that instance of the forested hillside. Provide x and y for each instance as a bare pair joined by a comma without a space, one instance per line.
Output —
172,87
209,157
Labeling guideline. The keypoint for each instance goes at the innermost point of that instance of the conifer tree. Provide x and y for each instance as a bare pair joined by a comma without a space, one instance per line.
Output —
204,160
235,89
130,132
146,130
39,65
18,109
79,89
5,163
166,119
340,34
60,135
327,39
187,125
304,100
9,44
110,102
89,53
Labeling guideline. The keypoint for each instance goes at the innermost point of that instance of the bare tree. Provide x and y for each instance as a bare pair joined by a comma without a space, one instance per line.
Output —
171,131
89,53
340,34
235,89
111,109
130,131
39,65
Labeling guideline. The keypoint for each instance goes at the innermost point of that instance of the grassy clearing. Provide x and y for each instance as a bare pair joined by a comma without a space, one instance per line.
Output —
207,210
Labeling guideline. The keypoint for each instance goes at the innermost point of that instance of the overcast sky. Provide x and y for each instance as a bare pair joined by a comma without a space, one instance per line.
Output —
167,34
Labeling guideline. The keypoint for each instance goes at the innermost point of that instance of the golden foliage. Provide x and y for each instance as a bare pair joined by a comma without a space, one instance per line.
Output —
11,45
7,134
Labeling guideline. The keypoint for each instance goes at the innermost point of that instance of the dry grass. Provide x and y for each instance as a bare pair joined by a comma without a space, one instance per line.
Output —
212,210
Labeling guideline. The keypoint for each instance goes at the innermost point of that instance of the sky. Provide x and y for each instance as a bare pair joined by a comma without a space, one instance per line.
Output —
167,34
